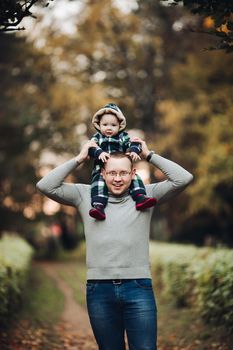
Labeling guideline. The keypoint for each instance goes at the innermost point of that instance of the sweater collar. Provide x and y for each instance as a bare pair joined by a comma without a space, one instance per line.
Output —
118,199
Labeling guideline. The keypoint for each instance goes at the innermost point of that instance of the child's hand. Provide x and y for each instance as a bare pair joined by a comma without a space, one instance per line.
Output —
104,156
134,156
145,151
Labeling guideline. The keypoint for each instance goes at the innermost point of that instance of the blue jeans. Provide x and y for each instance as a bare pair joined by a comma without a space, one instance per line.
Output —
125,306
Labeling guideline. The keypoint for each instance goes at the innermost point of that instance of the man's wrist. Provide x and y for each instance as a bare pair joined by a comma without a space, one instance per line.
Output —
149,155
78,160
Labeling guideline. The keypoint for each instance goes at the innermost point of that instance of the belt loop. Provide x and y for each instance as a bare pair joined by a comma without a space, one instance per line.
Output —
119,281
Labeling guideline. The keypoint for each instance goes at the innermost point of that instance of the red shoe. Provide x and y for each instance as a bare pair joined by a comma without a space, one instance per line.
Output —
98,212
144,202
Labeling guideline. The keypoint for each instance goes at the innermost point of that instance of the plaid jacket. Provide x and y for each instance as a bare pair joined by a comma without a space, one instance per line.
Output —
118,143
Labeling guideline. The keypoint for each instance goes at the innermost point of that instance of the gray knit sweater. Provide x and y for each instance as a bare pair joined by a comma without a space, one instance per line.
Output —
117,247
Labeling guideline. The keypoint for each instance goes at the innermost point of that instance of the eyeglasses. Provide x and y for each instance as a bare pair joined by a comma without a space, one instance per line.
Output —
121,173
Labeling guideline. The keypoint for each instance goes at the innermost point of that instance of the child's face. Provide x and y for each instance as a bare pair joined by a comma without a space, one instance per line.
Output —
109,125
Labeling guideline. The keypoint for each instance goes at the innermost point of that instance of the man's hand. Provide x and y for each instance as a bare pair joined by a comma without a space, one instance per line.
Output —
134,156
83,155
145,151
104,156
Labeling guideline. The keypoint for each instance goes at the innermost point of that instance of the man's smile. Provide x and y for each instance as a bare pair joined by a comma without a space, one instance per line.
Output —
117,185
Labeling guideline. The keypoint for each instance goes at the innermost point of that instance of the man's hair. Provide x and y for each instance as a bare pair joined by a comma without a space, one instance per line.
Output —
120,155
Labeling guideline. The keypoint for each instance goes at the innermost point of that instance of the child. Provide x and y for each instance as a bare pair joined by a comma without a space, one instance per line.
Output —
110,122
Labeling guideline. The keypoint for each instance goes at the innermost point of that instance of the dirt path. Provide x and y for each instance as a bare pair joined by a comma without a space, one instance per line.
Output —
73,331
74,319
74,315
75,322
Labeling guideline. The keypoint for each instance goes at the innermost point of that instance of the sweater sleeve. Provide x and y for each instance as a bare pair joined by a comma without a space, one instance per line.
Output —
52,185
177,179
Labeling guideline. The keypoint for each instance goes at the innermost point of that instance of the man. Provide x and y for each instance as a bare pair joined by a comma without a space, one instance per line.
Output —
119,290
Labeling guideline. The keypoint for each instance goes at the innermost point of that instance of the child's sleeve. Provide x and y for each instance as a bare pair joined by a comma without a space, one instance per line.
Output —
94,152
128,145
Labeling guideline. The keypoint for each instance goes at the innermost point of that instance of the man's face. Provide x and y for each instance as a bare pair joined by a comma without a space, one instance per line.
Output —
118,174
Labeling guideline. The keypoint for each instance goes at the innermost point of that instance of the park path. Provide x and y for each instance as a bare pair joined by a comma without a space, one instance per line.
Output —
74,315
73,330
74,321
75,333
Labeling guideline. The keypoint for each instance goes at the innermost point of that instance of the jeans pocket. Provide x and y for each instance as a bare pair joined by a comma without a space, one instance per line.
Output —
144,283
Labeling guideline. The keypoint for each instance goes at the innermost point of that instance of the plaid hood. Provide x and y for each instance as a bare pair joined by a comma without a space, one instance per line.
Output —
109,108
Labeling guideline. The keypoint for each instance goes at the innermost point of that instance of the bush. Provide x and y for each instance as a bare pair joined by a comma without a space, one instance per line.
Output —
15,258
214,287
196,277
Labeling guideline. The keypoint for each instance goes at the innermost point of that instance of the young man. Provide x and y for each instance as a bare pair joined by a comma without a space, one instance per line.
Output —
119,290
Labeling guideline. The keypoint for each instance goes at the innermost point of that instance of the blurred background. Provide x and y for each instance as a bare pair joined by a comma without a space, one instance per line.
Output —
169,68
78,55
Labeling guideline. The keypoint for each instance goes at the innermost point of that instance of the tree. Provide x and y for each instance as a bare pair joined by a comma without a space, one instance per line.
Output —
221,14
197,132
126,55
38,116
25,75
50,94
12,13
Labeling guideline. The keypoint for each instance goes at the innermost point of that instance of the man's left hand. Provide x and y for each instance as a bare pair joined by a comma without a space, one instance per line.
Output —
145,150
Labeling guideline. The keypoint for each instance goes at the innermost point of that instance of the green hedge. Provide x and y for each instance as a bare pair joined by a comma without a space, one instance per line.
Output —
196,277
15,258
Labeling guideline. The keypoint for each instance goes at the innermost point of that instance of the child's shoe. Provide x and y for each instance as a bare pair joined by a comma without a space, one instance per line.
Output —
98,212
144,202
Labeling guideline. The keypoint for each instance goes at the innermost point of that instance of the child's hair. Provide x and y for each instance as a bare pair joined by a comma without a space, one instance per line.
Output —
120,155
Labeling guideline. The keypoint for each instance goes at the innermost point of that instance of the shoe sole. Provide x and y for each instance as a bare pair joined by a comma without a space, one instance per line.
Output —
150,202
96,214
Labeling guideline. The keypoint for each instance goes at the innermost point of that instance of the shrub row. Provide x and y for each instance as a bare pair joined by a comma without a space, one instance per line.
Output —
196,277
15,258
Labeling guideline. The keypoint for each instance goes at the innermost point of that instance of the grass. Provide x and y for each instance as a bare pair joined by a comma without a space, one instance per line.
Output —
74,274
42,300
77,254
33,326
184,328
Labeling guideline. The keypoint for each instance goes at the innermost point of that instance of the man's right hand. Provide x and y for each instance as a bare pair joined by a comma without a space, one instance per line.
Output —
83,155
